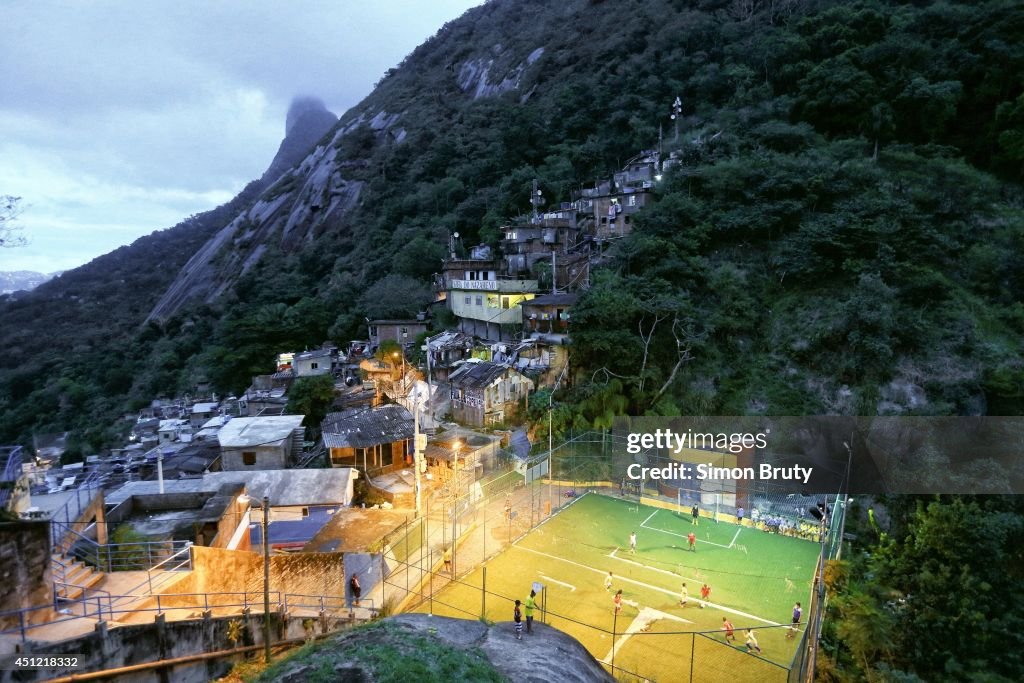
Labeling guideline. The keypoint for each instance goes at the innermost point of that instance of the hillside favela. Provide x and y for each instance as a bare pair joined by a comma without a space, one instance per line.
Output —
668,341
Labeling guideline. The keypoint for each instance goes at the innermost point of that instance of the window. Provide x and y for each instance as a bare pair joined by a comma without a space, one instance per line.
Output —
249,458
314,366
305,512
632,200
405,331
469,299
471,274
373,330
479,301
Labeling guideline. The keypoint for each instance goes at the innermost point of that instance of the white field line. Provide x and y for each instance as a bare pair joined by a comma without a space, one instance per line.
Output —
733,541
560,583
648,518
658,589
646,617
663,531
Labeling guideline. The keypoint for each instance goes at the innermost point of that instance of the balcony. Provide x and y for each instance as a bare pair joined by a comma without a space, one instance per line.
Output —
494,285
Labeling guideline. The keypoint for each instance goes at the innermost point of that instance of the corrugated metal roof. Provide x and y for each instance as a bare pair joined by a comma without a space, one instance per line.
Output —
365,427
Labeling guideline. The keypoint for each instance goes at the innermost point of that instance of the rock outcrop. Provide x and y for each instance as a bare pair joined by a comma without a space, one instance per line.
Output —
548,655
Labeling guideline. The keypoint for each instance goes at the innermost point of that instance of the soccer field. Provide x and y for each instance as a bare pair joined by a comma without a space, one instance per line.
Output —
755,578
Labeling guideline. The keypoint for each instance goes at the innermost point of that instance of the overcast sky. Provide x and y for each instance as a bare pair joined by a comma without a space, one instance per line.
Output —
121,118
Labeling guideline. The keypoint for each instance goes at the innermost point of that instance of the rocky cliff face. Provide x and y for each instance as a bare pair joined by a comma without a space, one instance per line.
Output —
293,198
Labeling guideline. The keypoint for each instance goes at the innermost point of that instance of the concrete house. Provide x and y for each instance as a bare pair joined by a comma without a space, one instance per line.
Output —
375,440
261,443
485,393
548,314
201,414
401,331
313,363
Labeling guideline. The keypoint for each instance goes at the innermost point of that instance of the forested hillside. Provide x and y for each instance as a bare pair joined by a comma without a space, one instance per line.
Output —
843,235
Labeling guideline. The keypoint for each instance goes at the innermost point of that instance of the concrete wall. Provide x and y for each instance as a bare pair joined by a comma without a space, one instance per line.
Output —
267,458
216,570
140,643
25,569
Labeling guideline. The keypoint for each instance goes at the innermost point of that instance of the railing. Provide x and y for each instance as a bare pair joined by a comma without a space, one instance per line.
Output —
111,557
11,473
68,515
101,605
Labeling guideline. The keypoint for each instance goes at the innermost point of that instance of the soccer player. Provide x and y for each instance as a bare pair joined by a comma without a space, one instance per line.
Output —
696,514
692,538
517,615
795,628
632,543
617,601
730,633
608,582
739,515
684,596
705,593
752,642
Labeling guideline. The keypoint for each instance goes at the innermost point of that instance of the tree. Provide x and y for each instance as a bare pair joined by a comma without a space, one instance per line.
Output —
312,397
395,296
10,209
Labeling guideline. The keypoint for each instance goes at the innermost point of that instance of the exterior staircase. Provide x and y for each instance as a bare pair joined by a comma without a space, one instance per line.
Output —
72,577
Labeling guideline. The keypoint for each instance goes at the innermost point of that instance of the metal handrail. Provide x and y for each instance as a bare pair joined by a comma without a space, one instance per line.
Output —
282,600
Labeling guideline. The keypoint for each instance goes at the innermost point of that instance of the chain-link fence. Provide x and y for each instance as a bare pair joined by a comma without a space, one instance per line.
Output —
434,562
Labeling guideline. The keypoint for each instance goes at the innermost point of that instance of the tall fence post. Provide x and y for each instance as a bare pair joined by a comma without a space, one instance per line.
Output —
430,578
693,646
483,595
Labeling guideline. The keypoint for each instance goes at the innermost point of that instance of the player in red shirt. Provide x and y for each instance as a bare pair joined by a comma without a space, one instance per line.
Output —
692,538
728,628
705,593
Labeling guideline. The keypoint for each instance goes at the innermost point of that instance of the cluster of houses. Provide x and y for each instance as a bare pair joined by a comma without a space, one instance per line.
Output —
190,463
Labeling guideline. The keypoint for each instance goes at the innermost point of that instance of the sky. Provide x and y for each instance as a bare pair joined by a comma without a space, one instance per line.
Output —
121,118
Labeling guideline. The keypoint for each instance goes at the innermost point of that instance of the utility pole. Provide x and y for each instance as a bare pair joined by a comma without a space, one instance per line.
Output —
266,580
677,109
536,199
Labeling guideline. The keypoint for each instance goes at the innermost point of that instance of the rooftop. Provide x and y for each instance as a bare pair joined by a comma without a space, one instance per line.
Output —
205,407
476,375
560,299
286,488
258,431
353,530
364,427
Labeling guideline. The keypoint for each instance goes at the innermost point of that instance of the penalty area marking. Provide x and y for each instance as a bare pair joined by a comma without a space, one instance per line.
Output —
672,533
733,541
642,622
648,586
560,583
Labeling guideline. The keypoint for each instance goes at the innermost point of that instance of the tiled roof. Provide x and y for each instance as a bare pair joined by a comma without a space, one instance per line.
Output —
476,375
365,427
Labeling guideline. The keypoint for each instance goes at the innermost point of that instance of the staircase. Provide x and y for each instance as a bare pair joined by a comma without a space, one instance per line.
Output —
72,577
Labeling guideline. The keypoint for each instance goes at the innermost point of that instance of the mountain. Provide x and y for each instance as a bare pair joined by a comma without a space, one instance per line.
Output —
74,344
840,235
23,280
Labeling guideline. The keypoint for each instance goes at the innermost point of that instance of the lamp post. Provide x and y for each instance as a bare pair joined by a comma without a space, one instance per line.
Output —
455,498
253,503
395,355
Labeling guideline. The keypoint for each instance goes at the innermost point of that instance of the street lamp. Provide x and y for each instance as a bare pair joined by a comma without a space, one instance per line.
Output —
455,498
253,503
395,355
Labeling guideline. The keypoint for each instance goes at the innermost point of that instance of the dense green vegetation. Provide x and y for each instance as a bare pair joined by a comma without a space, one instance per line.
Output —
933,592
844,231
